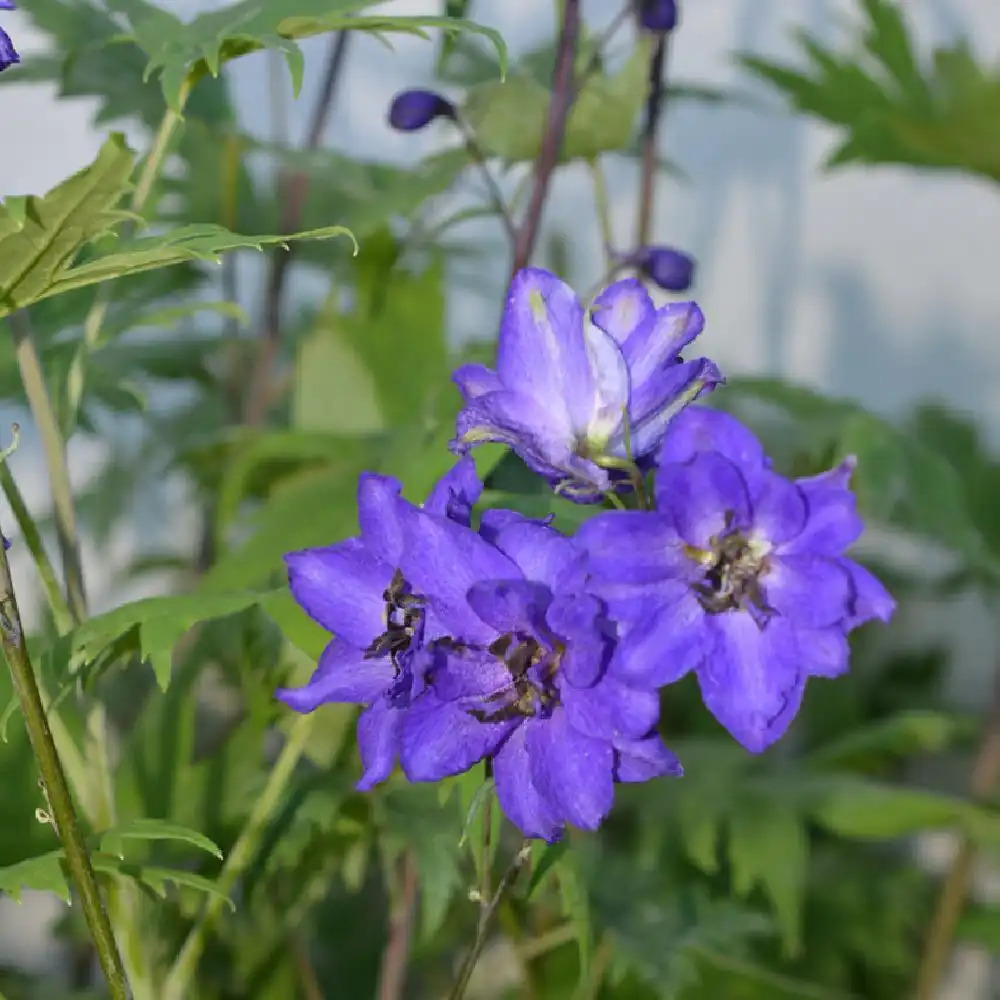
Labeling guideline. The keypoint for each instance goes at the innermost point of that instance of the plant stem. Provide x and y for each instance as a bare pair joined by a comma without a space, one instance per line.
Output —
392,974
486,917
44,415
292,189
603,209
650,139
177,985
56,789
493,189
955,888
555,130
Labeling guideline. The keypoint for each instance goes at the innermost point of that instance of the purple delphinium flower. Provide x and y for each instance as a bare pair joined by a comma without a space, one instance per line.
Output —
739,574
357,590
666,267
8,54
576,393
658,15
524,675
412,110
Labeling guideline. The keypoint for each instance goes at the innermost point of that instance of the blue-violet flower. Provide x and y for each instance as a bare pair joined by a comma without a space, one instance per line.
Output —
357,590
739,575
524,676
578,393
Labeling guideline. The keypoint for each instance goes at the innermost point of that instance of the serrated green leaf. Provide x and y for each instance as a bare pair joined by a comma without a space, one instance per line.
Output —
41,874
156,879
40,236
178,50
112,840
161,621
768,846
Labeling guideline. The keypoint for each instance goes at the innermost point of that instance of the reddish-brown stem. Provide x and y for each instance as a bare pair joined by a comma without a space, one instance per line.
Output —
292,190
395,957
650,140
555,130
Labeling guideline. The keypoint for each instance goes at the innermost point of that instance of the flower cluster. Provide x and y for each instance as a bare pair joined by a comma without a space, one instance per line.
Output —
502,639
8,54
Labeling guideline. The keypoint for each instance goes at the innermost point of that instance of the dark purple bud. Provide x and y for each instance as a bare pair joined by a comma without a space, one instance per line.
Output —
6,542
8,54
666,267
413,109
658,15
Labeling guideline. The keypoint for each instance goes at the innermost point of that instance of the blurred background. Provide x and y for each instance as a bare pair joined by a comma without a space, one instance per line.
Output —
876,283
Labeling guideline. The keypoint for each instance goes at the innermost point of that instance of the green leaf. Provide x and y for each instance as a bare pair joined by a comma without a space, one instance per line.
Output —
40,236
575,904
509,118
768,846
858,808
902,735
157,879
980,925
179,50
160,622
41,874
112,841
890,105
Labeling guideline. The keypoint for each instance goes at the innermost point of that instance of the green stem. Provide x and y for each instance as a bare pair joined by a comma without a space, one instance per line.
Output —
44,414
603,207
56,788
178,982
61,614
486,920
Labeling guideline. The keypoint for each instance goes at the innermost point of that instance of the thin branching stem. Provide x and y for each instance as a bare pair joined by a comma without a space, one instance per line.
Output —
650,139
59,799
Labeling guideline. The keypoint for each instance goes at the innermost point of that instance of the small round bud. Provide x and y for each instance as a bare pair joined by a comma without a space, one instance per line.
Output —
666,267
413,109
658,15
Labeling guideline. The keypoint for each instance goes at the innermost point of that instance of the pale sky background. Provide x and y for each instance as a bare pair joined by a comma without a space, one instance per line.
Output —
880,284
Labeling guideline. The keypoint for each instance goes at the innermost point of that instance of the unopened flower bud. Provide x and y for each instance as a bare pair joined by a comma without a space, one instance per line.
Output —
666,267
414,109
658,15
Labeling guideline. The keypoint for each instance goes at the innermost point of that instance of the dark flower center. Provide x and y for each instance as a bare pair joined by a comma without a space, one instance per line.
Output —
532,669
734,566
404,618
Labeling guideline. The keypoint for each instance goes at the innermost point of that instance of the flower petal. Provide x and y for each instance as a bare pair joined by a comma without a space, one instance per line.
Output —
833,523
632,546
670,638
779,507
475,380
871,599
518,796
379,505
341,586
610,710
570,770
469,672
698,429
587,635
661,339
440,738
442,560
379,729
541,348
824,652
342,675
705,496
598,417
752,681
811,591
661,397
456,492
542,553
511,605
642,760
622,308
